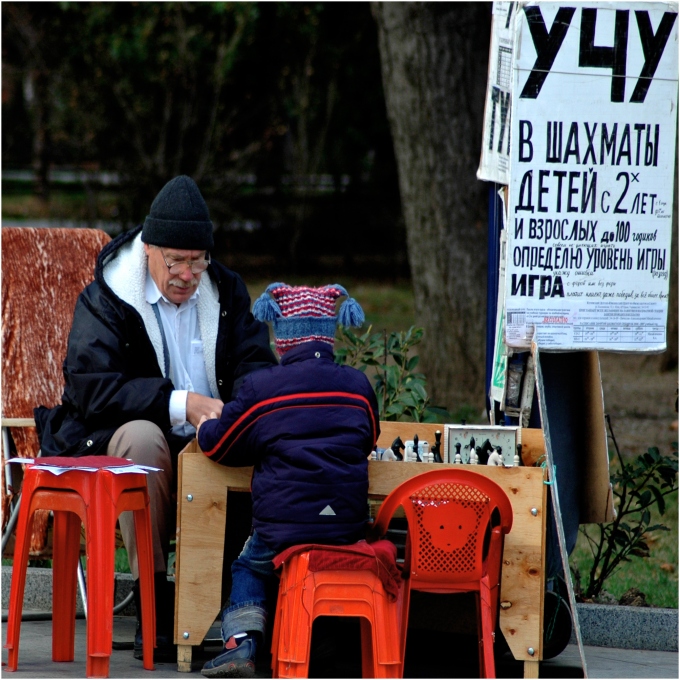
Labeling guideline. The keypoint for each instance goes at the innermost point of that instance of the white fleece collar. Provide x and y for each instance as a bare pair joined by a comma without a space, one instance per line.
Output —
125,273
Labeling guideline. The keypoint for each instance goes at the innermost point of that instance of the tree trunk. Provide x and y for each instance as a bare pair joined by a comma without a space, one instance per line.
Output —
434,65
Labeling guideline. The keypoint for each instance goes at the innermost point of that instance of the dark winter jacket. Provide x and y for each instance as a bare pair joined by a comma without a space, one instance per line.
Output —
308,426
114,369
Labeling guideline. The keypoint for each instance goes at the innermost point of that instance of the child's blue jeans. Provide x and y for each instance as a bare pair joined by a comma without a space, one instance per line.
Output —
251,573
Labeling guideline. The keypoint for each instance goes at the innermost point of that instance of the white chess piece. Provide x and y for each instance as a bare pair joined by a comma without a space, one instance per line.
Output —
495,458
474,458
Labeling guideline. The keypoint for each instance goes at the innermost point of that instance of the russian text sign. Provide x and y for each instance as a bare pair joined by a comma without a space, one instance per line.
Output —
594,114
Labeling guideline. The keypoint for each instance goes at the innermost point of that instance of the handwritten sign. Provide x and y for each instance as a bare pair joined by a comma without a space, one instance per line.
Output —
594,112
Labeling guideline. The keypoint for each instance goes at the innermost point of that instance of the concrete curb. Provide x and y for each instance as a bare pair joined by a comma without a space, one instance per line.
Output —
602,625
605,625
38,590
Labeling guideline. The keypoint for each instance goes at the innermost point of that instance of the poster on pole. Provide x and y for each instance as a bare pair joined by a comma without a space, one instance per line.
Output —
494,163
500,354
594,116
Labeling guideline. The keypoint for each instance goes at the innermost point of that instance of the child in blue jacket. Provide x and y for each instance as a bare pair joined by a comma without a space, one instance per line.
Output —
308,427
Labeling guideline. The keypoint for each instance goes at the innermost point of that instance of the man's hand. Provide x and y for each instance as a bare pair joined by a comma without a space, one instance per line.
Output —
202,420
199,405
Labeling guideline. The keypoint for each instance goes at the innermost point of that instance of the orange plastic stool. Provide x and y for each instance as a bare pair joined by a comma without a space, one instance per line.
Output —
305,594
95,499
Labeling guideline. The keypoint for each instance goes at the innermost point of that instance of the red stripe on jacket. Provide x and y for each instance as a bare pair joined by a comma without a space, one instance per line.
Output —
289,397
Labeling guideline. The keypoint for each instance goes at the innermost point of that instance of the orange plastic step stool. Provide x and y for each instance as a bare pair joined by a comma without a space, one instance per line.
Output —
304,595
95,499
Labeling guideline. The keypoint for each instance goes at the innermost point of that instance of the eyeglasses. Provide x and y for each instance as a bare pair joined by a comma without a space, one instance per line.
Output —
180,266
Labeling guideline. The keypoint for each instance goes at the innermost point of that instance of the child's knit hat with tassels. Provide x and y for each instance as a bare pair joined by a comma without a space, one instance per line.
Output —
303,314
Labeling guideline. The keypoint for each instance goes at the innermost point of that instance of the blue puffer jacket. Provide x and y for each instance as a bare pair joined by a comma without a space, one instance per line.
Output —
308,426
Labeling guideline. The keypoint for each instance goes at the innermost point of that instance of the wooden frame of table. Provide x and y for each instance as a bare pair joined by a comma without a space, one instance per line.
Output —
201,522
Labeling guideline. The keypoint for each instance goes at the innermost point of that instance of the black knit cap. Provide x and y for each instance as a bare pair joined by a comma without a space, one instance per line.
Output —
179,217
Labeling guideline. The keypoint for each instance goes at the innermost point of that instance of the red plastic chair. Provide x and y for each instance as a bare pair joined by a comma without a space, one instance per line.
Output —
456,523
95,499
305,594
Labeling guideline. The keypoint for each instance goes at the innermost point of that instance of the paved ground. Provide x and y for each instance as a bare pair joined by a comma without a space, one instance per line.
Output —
432,655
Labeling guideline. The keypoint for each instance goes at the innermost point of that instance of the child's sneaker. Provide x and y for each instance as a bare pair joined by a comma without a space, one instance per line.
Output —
238,662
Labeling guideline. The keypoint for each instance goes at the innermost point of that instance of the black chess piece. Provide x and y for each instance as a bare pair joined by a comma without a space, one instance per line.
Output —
518,456
397,444
484,451
437,447
415,448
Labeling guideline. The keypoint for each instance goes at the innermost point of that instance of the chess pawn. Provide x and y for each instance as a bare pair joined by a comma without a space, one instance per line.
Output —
518,456
457,458
374,455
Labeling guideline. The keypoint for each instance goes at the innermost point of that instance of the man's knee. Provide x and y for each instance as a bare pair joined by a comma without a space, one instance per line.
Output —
141,441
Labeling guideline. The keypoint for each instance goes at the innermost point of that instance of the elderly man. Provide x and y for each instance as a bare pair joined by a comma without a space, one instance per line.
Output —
162,337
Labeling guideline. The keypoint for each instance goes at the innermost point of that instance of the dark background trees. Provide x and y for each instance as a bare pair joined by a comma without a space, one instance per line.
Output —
276,109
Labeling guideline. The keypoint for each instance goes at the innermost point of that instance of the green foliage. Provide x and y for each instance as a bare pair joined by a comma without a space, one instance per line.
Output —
638,487
399,388
121,563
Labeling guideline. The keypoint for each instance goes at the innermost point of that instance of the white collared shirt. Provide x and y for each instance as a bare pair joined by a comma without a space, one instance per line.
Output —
185,350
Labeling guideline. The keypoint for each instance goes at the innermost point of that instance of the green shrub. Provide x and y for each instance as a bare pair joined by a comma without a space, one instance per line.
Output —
639,487
400,390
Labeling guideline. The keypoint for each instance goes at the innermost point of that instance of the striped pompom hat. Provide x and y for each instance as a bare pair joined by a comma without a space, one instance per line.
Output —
304,314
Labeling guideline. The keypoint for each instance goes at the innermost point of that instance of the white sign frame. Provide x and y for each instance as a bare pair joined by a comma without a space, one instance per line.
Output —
592,175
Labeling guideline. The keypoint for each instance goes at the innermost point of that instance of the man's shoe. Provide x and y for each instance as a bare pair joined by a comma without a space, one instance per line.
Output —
165,651
233,663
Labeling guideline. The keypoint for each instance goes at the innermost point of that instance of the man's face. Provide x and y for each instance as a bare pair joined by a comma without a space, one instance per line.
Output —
175,287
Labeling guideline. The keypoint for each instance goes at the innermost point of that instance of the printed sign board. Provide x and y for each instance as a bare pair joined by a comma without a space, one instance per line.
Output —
494,164
594,115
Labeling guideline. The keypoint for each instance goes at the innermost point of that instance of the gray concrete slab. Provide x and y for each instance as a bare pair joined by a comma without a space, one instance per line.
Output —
428,658
649,628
